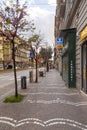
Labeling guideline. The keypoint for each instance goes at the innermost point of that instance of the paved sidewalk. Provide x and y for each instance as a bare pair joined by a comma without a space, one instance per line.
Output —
48,105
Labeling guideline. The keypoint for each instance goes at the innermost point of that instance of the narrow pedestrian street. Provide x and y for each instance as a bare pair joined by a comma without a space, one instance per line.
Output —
48,105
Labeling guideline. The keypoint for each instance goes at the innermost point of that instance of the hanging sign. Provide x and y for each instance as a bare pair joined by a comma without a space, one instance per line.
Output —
59,43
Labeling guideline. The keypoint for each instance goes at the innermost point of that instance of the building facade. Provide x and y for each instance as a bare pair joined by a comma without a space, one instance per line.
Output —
21,54
60,11
74,16
82,42
5,52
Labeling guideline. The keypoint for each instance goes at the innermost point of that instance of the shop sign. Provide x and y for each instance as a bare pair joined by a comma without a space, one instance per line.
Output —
83,33
59,46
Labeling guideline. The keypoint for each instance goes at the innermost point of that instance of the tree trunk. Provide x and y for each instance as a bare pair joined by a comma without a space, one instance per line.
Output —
36,70
15,76
47,67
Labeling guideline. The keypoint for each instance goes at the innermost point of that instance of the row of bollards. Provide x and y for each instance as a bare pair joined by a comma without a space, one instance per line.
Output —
24,82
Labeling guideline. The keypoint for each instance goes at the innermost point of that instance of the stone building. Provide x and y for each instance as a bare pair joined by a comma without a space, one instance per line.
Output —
72,16
21,53
5,52
22,56
60,8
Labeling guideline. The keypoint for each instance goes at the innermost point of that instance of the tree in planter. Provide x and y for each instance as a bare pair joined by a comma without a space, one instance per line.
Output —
35,41
13,23
46,54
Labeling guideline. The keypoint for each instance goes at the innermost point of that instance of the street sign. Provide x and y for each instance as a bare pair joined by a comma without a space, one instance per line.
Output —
31,54
60,40
59,43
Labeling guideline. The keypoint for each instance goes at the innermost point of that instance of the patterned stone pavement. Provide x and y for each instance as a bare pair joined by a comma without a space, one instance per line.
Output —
48,105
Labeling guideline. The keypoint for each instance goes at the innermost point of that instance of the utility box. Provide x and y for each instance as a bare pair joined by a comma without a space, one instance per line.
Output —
23,82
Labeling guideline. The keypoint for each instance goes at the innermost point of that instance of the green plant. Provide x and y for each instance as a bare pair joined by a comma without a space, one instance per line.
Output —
13,99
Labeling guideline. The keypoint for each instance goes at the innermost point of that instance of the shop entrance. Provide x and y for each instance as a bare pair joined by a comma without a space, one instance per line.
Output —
69,57
84,67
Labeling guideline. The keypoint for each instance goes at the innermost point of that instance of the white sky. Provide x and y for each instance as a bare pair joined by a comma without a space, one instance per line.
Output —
43,12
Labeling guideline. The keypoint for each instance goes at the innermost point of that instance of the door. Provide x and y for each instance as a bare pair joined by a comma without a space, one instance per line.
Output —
84,67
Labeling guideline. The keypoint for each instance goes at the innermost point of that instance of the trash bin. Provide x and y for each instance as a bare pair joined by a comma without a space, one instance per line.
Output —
31,76
23,82
41,73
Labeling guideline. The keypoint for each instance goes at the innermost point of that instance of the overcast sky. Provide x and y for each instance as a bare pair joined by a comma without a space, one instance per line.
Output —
43,12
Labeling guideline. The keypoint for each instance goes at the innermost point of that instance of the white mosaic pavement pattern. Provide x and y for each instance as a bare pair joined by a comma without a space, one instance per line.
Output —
56,121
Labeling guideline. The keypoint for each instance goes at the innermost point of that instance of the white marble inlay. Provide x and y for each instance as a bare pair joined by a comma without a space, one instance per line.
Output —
58,100
52,93
48,123
56,84
49,88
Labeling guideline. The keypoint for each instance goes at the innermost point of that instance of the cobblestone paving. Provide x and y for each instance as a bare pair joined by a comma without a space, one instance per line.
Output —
48,105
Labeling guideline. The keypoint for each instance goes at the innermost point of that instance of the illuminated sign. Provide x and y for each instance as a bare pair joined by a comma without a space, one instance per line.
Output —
59,40
83,33
59,43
